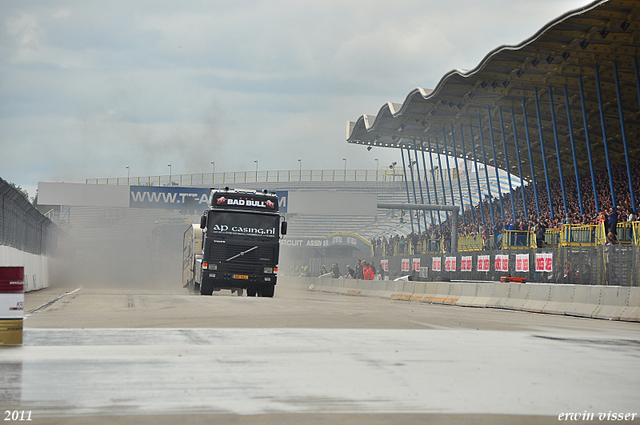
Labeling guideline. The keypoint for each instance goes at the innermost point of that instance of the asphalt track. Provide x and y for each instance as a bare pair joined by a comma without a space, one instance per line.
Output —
160,355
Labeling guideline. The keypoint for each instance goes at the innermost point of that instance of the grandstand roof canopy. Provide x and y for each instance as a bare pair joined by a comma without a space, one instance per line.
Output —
598,42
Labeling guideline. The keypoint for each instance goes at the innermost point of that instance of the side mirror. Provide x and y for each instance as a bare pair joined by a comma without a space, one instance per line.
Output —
283,228
203,222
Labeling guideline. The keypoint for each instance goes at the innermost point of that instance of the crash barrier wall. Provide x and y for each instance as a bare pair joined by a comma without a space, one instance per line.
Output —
617,265
36,267
27,238
600,302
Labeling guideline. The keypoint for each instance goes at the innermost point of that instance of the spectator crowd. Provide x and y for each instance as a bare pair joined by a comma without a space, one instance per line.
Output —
533,221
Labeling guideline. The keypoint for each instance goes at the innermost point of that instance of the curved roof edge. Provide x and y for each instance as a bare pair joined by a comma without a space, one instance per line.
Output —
395,109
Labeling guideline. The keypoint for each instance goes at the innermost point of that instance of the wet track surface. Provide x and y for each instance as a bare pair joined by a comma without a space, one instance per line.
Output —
378,357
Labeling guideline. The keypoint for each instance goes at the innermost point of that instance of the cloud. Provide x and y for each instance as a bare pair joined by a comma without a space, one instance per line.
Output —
87,88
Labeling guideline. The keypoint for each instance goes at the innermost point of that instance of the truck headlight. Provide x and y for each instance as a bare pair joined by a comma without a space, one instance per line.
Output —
213,267
268,269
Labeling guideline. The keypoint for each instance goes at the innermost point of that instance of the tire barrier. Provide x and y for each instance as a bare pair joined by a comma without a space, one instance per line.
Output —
600,302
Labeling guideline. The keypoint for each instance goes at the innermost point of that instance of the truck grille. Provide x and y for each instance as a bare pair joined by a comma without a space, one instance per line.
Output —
251,262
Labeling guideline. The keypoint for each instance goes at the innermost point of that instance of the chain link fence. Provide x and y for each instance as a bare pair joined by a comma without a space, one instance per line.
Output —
22,226
617,265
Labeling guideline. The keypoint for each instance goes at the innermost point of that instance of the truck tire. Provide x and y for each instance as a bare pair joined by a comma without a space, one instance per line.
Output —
251,292
267,291
206,289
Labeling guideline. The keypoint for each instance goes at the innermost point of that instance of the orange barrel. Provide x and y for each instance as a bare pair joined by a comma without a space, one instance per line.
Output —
11,305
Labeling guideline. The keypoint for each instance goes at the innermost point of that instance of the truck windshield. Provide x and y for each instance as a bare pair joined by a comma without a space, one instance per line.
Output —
242,224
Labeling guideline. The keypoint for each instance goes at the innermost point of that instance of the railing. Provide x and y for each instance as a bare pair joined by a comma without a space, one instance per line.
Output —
473,243
568,235
515,239
275,176
579,235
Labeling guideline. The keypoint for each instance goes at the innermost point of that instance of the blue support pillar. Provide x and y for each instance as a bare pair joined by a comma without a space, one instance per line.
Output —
506,161
495,161
466,173
455,155
624,134
406,183
604,138
544,158
446,154
415,150
588,142
573,149
486,172
444,190
555,136
435,186
413,185
533,173
635,71
426,178
515,139
475,161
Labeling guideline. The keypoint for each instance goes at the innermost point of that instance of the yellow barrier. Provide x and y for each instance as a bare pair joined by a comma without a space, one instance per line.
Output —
568,235
515,239
11,332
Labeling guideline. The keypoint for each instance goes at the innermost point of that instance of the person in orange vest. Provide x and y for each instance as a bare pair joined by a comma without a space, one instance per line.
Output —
366,271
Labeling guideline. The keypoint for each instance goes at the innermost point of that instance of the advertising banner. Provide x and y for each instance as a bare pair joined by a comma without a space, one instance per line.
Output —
544,262
466,264
450,264
502,263
416,264
385,265
405,265
483,263
436,264
522,263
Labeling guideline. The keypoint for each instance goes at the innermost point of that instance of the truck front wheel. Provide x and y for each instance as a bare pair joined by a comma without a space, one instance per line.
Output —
206,288
267,291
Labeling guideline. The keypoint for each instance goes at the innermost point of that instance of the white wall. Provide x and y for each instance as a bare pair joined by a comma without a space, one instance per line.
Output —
36,267
332,203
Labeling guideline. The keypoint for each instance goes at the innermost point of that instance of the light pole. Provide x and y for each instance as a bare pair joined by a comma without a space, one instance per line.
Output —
300,164
169,165
213,171
256,161
377,166
128,173
345,167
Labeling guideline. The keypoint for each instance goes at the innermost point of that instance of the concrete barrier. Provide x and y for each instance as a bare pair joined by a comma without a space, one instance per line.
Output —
499,295
632,312
442,295
603,302
560,299
484,291
537,298
613,301
518,296
467,292
585,301
418,291
430,292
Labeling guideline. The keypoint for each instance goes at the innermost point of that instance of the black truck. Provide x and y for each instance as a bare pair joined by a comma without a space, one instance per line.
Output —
241,235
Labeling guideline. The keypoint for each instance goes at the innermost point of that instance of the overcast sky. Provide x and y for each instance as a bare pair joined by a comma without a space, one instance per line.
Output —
89,87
